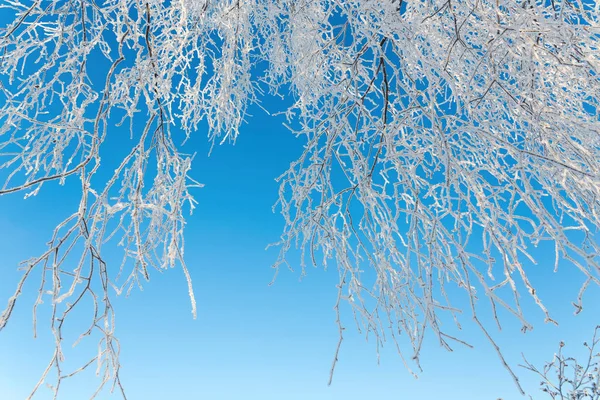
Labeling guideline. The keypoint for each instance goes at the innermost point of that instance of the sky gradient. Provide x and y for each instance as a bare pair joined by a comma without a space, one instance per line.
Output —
251,340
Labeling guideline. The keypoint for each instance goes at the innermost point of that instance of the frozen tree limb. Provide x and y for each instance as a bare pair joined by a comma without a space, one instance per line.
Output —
442,140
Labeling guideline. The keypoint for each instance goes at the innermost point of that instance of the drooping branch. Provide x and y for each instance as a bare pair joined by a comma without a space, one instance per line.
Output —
442,140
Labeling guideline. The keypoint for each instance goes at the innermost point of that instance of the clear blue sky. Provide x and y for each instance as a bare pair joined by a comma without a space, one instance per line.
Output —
252,341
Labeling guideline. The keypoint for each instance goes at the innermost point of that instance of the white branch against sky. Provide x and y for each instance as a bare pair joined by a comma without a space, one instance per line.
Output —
427,125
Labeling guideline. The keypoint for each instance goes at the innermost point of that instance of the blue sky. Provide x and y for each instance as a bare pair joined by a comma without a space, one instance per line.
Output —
251,340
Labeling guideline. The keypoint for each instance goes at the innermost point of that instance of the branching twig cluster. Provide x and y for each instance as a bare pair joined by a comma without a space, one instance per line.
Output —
443,139
564,378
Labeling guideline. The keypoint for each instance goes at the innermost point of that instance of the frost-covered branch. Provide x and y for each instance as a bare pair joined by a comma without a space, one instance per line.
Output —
442,140
565,379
